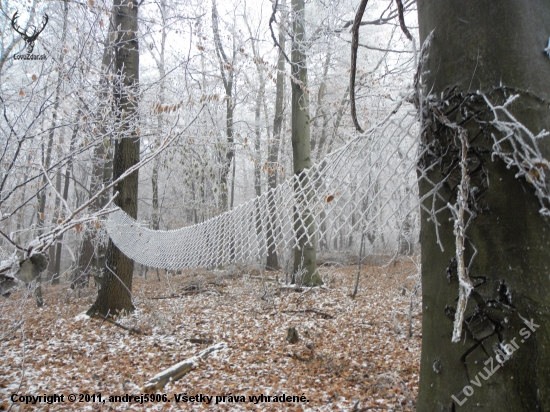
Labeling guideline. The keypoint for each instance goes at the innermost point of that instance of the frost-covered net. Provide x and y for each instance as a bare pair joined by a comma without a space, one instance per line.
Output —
367,186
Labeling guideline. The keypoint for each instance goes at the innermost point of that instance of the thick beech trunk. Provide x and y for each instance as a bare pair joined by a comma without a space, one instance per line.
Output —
496,49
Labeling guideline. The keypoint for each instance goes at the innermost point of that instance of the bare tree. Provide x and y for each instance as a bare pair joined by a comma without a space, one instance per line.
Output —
228,75
115,292
305,253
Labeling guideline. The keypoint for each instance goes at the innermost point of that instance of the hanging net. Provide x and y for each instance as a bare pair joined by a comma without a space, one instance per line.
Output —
368,186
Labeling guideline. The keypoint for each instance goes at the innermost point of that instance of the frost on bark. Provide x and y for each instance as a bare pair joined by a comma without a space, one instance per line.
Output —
482,53
115,292
305,259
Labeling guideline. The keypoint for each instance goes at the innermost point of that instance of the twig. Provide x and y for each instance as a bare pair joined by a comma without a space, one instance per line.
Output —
165,297
55,190
44,241
271,20
318,312
199,341
465,285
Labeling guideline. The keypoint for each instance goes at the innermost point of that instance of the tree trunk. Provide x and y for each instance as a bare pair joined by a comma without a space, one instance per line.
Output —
155,216
91,256
115,293
59,246
337,122
273,150
51,274
47,160
305,258
227,73
320,111
498,51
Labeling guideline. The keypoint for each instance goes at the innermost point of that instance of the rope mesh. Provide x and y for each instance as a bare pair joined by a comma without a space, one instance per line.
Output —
369,185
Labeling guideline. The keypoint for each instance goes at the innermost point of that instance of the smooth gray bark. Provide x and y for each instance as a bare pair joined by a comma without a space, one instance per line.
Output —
497,49
305,255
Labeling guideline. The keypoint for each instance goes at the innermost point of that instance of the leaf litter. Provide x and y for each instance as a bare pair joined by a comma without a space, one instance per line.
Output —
352,354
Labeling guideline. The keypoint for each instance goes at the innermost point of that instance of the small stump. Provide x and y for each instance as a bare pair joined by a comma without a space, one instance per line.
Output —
292,335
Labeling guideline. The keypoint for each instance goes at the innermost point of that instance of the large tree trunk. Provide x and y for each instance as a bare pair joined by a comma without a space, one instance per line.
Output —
496,49
115,293
305,257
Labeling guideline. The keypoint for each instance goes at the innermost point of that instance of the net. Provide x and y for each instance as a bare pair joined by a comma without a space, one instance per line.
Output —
367,186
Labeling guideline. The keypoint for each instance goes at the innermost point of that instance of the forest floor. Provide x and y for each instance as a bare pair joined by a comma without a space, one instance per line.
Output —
353,354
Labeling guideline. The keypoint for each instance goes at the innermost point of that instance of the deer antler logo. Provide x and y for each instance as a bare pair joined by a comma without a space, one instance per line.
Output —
32,30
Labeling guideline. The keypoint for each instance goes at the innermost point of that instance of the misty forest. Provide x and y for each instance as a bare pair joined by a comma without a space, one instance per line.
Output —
275,205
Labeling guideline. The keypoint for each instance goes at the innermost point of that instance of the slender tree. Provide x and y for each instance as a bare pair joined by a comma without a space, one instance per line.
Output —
91,256
273,148
305,258
493,244
48,154
228,76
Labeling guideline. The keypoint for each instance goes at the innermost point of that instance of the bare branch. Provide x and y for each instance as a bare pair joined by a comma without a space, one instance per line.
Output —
44,241
271,20
402,20
354,46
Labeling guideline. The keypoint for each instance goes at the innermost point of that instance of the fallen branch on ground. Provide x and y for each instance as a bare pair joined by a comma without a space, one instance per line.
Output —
263,278
165,297
179,370
199,341
131,330
323,314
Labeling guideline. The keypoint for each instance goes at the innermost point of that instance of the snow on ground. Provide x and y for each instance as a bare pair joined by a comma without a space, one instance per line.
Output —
358,358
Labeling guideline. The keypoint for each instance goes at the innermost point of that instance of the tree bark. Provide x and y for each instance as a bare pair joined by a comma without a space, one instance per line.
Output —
91,256
273,149
59,245
115,294
47,160
320,112
498,51
176,372
228,74
305,257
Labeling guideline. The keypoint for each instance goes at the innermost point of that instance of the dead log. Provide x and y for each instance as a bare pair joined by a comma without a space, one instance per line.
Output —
179,370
